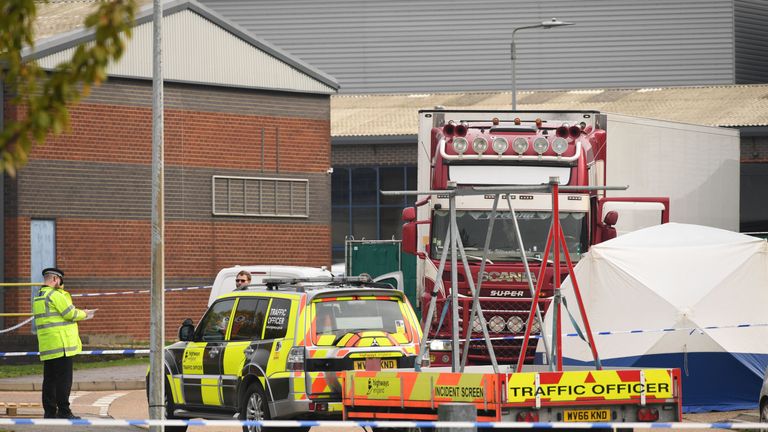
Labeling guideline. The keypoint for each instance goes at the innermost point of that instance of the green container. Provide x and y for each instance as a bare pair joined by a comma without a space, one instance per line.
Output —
378,257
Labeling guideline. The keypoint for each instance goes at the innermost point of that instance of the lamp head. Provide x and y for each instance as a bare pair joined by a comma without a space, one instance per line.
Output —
554,23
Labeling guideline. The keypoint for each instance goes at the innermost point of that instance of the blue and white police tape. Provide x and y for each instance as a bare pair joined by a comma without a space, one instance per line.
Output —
691,330
98,294
28,320
375,424
128,352
9,329
599,333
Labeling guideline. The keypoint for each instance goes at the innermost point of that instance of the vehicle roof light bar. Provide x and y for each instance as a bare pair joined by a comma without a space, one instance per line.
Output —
273,283
511,157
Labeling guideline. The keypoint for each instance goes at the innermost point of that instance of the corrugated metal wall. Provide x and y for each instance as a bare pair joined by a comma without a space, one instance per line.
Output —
751,19
459,45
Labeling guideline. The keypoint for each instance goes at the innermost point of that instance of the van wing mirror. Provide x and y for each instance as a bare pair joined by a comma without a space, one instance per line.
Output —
187,331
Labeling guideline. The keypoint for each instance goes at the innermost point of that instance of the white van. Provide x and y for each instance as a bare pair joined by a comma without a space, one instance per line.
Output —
225,280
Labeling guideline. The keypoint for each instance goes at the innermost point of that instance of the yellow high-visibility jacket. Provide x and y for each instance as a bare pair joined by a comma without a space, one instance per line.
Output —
55,319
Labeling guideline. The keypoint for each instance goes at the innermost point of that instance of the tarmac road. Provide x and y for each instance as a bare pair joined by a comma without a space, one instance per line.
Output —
114,404
118,393
132,404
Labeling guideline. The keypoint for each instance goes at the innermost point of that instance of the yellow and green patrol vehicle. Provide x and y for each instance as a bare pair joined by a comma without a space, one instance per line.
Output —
276,351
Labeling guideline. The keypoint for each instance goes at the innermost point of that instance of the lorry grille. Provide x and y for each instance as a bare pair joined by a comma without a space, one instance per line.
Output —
501,326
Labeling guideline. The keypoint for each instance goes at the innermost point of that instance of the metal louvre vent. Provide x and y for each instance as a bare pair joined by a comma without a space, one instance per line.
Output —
260,196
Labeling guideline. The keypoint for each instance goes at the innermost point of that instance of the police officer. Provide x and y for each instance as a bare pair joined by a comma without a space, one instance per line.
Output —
58,341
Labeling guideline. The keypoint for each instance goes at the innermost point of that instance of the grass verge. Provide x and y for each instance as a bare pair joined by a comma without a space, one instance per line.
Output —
12,371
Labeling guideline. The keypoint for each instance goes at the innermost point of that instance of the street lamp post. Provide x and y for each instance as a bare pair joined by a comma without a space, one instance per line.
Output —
545,25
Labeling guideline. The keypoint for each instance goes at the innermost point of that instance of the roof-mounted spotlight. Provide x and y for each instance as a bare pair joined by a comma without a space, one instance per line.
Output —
559,145
480,145
500,145
541,145
520,145
460,145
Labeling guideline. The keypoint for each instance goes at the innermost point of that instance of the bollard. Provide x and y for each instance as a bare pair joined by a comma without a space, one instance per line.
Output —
457,412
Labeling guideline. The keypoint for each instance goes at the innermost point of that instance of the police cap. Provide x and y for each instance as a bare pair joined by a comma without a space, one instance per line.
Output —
54,271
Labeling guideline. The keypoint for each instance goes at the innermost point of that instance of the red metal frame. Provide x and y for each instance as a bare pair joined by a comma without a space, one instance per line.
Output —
556,239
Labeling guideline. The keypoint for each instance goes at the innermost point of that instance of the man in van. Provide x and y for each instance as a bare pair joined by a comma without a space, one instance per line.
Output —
242,280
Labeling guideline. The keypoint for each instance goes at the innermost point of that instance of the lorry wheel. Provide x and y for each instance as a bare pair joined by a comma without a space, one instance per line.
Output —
763,411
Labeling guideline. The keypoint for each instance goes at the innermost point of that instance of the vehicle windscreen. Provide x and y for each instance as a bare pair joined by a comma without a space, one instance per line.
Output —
335,318
504,246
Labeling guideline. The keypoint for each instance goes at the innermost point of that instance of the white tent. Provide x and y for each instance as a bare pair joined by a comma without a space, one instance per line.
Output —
678,295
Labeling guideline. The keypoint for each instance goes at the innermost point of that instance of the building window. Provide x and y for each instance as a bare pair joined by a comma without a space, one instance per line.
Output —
260,196
360,211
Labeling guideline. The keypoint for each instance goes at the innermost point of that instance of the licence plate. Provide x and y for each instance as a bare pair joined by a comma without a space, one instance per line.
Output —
385,364
596,415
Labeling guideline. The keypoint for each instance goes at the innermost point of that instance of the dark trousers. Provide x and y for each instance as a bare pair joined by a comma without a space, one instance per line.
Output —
57,383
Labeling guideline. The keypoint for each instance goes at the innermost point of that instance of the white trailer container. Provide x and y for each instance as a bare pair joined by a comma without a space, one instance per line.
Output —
697,167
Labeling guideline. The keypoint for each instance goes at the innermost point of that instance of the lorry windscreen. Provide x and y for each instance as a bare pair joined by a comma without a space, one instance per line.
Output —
534,227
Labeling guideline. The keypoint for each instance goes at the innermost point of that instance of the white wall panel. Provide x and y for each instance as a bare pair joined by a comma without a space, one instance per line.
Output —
199,51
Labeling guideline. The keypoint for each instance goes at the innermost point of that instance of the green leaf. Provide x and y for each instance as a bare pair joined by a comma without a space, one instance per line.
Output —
45,97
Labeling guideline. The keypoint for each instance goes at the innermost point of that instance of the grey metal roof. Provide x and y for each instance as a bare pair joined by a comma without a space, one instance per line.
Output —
727,106
206,47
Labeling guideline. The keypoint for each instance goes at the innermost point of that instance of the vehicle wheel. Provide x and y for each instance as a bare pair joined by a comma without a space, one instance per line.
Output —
254,406
170,407
763,411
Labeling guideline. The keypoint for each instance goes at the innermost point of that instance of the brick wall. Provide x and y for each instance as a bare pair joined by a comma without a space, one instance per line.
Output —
95,182
374,154
754,149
